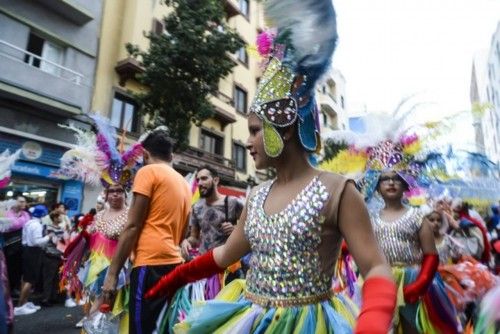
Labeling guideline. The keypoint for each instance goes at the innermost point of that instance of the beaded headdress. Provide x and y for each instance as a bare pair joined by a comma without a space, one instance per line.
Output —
97,158
387,147
298,53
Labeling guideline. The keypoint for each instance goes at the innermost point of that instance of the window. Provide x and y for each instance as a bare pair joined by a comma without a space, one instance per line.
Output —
240,157
242,55
124,113
245,7
342,103
240,100
325,119
157,28
44,54
211,143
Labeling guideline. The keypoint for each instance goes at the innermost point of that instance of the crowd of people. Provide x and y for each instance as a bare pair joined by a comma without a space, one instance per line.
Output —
306,253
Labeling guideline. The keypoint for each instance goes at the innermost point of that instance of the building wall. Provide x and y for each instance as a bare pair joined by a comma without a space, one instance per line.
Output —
331,96
491,119
127,23
34,99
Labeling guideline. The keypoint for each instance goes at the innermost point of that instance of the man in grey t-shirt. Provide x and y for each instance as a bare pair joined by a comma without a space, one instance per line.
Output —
213,217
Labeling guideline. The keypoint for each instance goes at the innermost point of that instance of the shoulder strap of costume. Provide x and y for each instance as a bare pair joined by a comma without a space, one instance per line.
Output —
338,190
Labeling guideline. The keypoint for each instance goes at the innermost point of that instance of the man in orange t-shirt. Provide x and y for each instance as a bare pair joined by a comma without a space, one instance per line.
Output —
158,217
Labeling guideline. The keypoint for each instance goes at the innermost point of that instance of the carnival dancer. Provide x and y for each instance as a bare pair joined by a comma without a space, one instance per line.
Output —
212,220
97,158
294,224
466,279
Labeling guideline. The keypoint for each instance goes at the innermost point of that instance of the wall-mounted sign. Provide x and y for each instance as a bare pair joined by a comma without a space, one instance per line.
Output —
32,150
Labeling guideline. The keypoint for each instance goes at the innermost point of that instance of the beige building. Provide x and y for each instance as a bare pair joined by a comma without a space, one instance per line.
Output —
331,98
219,141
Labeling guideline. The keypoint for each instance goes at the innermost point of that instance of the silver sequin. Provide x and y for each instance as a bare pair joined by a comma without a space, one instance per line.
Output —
399,239
285,261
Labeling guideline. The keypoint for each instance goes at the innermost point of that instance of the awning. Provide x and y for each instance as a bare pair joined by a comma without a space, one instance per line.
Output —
235,192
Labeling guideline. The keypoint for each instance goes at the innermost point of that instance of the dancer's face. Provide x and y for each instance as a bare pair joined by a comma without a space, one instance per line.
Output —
436,222
116,196
206,183
391,186
255,142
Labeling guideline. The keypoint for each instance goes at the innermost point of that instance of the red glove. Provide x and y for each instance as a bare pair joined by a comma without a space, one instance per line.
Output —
201,267
418,288
379,301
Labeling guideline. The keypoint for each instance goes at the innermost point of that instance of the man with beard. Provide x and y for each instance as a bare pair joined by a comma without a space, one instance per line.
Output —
213,217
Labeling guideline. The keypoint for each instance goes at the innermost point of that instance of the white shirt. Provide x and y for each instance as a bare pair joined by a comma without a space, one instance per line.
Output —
33,234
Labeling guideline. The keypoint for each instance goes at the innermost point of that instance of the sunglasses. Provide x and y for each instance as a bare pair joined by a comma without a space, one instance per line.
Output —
387,179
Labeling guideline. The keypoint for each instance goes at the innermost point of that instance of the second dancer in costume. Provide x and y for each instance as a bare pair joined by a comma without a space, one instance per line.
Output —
294,224
97,158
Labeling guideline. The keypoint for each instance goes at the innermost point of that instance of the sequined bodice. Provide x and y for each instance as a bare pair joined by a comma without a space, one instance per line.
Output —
399,239
285,260
111,228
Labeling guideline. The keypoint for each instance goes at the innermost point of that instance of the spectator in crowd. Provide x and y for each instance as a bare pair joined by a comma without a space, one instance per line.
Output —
13,249
61,209
157,221
33,241
52,256
100,204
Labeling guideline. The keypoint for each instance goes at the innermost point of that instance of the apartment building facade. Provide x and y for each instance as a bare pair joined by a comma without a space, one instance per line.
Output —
220,140
485,93
48,52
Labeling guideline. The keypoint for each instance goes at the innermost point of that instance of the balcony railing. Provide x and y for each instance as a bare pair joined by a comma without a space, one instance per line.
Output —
194,158
225,98
44,64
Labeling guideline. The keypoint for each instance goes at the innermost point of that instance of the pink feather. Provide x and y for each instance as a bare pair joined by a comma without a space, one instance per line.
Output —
132,154
265,43
103,145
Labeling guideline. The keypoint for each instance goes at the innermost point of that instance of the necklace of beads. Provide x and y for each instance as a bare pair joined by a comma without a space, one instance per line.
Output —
111,228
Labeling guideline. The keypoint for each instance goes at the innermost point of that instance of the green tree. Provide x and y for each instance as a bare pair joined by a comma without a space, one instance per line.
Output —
184,65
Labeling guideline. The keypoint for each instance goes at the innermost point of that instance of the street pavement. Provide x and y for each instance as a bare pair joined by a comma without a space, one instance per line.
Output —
56,319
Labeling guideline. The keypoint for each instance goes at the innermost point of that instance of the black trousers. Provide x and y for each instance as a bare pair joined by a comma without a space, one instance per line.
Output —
144,313
50,272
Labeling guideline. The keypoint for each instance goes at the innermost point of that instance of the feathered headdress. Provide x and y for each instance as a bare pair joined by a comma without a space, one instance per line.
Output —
298,53
96,158
6,162
388,146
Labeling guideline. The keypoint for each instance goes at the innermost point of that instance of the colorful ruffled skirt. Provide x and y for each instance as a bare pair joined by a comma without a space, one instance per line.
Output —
434,313
232,312
202,290
94,271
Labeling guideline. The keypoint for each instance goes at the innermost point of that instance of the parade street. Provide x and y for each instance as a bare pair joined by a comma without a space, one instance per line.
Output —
56,319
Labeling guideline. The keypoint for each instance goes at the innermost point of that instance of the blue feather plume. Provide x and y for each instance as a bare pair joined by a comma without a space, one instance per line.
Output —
310,30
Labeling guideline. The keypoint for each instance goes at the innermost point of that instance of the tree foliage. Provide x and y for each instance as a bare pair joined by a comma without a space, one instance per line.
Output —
184,65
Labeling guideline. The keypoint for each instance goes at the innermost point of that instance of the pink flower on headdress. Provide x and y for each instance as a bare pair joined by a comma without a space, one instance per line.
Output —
265,43
409,139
